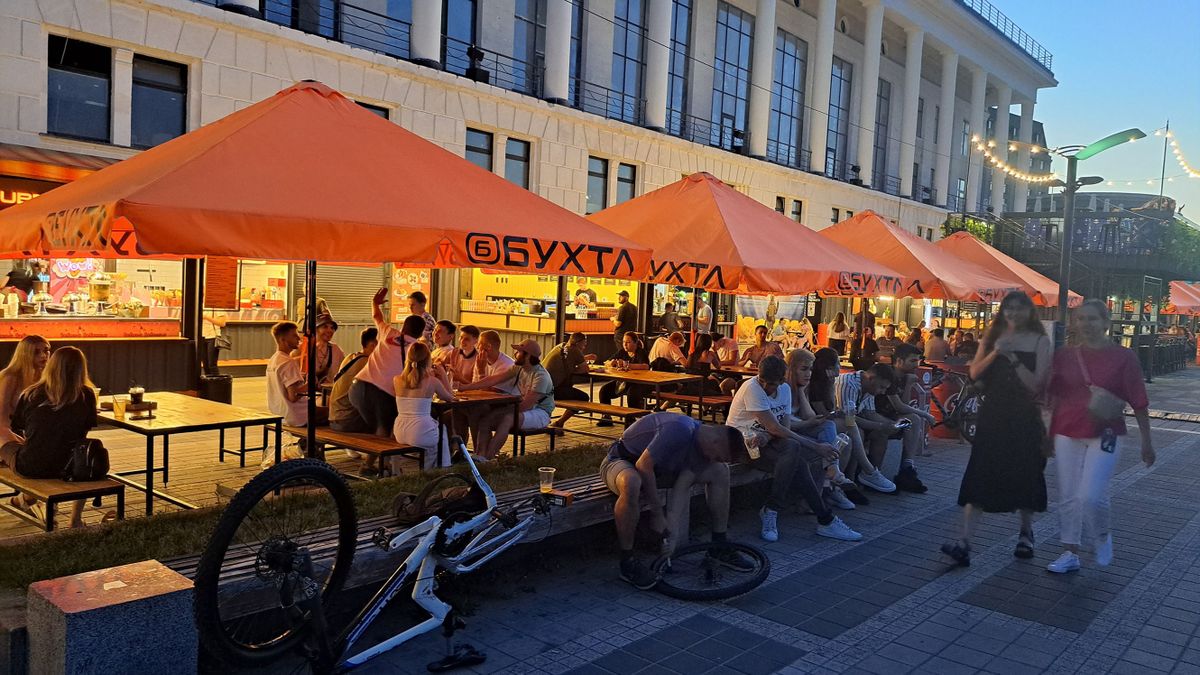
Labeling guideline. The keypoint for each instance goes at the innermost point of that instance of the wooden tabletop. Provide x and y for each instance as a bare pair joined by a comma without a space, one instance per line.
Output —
744,371
651,377
177,413
470,397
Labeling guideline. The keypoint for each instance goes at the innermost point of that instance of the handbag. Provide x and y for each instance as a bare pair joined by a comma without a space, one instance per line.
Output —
1103,405
223,342
87,461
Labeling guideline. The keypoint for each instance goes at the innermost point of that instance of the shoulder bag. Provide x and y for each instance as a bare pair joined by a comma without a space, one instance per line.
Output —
1103,405
87,461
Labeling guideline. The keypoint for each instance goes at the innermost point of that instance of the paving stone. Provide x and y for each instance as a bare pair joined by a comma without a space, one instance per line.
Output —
982,643
651,649
620,661
966,655
1027,656
1149,660
880,665
903,654
687,662
1165,635
1006,666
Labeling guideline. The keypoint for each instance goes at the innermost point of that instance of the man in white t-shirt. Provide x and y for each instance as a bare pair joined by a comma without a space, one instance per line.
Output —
443,341
372,393
669,347
285,385
536,389
703,316
492,361
762,411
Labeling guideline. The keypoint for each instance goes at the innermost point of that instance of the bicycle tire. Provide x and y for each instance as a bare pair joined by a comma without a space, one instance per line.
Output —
212,628
746,582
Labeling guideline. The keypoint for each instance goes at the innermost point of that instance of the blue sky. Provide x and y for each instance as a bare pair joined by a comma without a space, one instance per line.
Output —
1121,64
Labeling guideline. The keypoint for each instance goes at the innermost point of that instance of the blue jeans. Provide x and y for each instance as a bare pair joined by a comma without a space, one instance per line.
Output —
825,432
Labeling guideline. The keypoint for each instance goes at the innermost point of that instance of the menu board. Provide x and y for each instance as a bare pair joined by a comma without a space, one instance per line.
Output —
406,280
221,283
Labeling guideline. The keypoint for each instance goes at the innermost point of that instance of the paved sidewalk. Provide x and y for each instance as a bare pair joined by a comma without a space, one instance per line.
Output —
890,604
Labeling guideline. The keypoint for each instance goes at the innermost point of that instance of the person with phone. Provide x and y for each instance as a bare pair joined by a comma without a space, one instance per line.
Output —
818,433
907,402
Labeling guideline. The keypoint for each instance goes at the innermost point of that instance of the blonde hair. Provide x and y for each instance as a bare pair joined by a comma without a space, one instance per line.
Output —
416,365
21,365
1095,304
795,359
65,378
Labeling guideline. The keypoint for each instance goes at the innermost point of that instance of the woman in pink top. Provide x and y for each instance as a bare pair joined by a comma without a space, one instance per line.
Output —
1085,447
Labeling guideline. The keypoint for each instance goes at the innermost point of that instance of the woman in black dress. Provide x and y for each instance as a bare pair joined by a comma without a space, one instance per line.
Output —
1004,473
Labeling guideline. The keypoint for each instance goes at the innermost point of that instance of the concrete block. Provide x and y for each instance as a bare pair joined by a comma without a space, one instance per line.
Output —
235,83
32,115
251,53
129,24
127,619
195,39
94,16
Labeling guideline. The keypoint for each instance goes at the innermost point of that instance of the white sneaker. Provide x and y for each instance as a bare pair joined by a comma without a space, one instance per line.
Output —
1104,551
837,529
770,524
877,482
1067,562
840,500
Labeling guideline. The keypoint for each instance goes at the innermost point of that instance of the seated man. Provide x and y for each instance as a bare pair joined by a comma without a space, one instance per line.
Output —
443,341
854,396
936,347
762,412
675,451
761,348
563,363
342,415
901,401
286,387
533,384
887,344
668,347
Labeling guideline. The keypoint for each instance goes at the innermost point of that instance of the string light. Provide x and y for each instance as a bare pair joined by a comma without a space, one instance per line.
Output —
1179,157
985,148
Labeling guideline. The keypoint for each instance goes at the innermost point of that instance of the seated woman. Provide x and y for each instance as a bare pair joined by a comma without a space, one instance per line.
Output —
819,429
632,356
415,388
50,418
864,351
23,371
701,361
825,369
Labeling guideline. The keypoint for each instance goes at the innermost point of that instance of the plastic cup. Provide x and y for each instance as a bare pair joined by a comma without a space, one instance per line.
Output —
119,408
546,478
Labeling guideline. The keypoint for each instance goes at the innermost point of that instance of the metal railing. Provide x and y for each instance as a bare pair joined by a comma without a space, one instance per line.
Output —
376,32
600,100
788,155
1009,29
501,70
690,127
890,185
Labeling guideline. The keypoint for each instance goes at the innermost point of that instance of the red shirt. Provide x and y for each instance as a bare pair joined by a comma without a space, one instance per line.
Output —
1113,367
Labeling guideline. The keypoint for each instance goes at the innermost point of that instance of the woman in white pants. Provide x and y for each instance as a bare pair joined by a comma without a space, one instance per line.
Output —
1085,447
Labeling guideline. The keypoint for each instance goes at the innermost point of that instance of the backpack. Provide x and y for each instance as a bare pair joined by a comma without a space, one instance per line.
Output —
87,461
438,498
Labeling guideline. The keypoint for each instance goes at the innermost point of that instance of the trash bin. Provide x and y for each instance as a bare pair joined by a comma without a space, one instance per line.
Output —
217,388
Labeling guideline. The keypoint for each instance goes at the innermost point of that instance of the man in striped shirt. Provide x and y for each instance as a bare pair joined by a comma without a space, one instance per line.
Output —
854,396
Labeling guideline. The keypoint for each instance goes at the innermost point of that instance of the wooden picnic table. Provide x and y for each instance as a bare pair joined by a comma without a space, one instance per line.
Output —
737,371
652,378
469,399
180,414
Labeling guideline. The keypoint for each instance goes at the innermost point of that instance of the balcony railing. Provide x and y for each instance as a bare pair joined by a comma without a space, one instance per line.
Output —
890,185
499,69
376,32
605,102
792,156
690,127
1009,29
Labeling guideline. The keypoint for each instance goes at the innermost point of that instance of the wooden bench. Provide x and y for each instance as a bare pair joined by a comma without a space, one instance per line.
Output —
519,437
52,492
712,404
626,415
378,447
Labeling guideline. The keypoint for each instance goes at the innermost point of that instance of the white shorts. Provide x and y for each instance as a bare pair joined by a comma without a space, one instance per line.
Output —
535,418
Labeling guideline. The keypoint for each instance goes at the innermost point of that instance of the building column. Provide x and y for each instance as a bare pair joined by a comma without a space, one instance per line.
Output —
1003,103
658,60
426,40
1025,136
868,103
975,159
818,121
945,132
122,97
762,67
908,125
558,51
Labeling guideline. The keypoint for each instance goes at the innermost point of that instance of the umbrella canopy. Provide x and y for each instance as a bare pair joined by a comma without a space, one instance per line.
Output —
1041,288
705,234
1185,298
934,273
307,174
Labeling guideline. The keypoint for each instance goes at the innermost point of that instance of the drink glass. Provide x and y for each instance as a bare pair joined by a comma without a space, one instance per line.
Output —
119,407
546,478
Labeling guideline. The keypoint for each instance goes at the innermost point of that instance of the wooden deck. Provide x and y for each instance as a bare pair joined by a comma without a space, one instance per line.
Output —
197,476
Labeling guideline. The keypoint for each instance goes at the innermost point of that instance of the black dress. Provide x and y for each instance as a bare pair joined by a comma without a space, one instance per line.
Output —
1005,472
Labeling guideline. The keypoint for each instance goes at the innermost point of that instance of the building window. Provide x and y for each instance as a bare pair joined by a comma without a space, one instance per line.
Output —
479,148
159,101
458,27
920,118
626,182
319,17
80,87
386,29
629,60
883,115
964,140
516,162
780,205
786,119
836,140
797,210
836,217
937,123
916,182
960,193
849,214
529,44
576,59
731,76
597,185
376,109
678,70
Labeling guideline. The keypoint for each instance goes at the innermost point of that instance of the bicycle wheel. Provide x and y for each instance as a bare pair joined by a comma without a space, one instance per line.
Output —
697,572
299,504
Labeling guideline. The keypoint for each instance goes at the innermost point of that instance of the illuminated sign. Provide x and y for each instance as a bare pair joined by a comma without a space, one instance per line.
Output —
15,190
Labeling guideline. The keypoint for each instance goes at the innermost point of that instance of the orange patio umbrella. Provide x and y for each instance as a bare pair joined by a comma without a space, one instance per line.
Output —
1042,289
307,174
933,272
705,234
1185,298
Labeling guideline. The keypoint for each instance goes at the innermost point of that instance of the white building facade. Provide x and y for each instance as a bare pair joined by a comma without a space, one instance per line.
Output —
820,108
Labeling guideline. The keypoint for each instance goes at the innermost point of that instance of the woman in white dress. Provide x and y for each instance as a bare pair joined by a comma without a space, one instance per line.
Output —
415,388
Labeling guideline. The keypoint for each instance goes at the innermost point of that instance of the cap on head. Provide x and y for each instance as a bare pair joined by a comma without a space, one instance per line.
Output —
326,319
530,347
623,294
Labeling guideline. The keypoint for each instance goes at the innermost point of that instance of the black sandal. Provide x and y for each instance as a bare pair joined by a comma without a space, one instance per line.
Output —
961,554
1024,547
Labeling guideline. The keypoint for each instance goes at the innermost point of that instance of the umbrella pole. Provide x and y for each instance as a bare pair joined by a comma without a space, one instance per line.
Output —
694,332
310,329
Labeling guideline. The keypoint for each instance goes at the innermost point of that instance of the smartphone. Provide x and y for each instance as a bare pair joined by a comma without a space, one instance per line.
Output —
836,414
